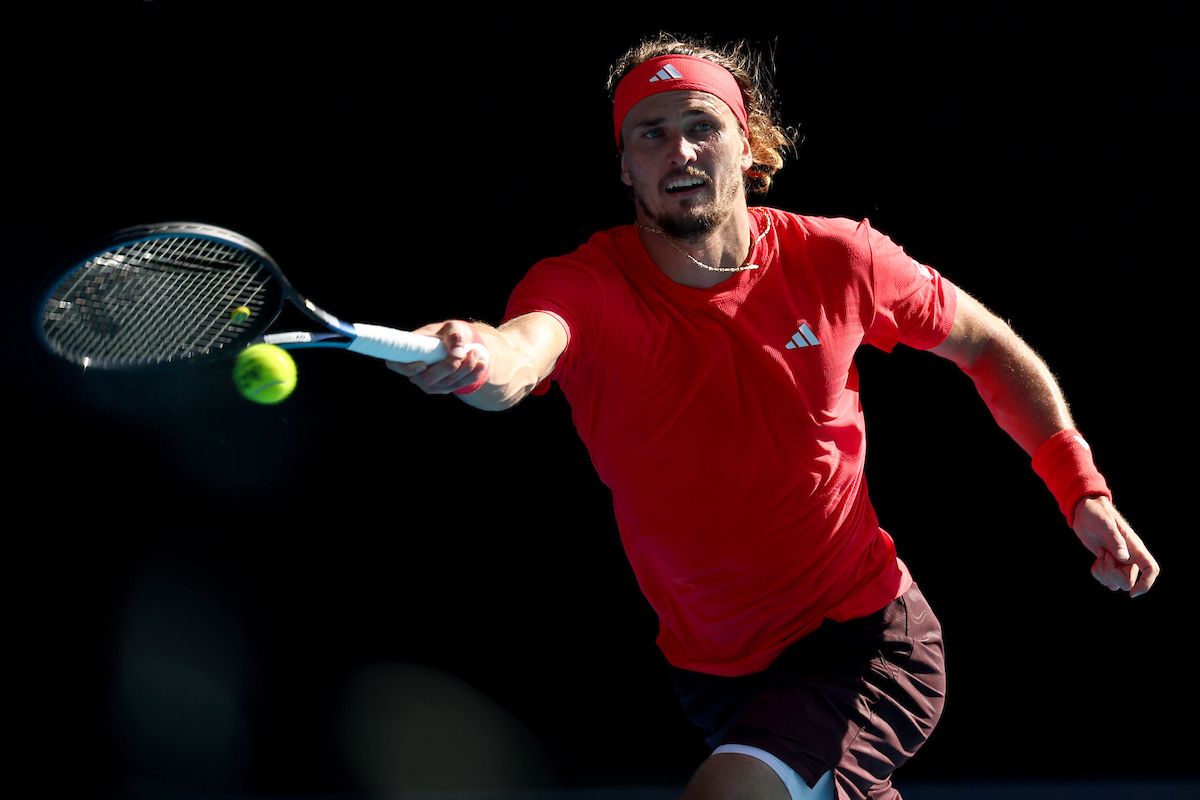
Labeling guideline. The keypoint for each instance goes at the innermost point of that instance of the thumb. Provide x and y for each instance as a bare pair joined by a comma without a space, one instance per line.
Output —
1118,547
1103,526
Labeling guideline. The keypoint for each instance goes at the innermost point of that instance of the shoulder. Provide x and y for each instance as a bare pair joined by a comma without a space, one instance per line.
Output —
827,234
601,250
835,249
814,225
597,261
576,284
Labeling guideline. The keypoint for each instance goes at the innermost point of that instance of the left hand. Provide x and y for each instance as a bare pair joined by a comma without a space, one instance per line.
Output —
1122,561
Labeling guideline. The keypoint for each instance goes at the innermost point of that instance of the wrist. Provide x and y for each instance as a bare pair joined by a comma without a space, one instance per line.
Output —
1064,462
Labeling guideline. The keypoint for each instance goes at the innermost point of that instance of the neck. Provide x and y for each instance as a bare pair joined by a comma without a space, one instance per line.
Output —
726,247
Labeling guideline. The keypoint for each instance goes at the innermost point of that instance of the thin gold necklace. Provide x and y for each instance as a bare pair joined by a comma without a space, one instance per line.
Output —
699,263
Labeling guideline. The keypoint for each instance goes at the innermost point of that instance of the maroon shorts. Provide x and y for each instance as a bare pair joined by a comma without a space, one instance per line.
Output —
858,697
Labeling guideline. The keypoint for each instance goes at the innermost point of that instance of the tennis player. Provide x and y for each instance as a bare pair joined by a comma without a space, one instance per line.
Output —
707,354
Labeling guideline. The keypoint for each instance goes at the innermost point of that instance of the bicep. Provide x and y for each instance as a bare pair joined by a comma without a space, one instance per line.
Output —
974,328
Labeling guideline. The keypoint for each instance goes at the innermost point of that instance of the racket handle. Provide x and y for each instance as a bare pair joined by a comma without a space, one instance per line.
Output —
395,345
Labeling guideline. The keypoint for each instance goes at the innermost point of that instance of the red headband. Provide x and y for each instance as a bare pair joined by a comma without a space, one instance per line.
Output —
676,73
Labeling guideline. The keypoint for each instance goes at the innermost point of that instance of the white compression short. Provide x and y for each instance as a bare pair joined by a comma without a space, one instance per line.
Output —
797,788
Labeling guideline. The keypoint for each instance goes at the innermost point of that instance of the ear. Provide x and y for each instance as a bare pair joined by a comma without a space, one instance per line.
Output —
747,153
626,178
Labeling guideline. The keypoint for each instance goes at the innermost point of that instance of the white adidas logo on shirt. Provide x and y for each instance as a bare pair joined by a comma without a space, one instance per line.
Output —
804,337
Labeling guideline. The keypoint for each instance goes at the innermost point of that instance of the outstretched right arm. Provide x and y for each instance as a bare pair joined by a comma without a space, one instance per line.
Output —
516,357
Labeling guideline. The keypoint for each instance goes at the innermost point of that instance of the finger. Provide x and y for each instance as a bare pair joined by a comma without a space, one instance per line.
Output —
1119,573
456,345
477,358
1131,576
446,384
426,387
450,374
435,378
1147,567
432,329
1102,536
1140,556
451,335
1115,542
441,384
1145,580
1125,574
1105,572
408,369
443,374
473,369
1122,549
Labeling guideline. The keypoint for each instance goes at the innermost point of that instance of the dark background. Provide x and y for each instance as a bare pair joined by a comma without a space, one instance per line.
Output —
196,587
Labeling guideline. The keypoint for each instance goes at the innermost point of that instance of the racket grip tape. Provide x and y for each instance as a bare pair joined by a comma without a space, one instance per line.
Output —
391,344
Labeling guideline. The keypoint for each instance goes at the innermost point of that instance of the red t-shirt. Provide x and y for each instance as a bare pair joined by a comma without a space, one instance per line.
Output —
727,423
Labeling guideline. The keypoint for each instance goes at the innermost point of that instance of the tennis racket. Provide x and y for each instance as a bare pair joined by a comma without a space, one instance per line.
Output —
174,293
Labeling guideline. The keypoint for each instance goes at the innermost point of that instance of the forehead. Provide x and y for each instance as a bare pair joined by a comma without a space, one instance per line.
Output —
674,104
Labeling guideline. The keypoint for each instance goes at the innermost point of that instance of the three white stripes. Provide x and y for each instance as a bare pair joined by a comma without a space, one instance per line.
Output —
803,338
666,73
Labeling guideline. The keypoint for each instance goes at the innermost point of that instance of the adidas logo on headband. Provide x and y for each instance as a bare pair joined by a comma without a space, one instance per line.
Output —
666,73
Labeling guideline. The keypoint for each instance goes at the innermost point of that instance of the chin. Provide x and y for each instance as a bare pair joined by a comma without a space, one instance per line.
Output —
686,223
690,223
689,227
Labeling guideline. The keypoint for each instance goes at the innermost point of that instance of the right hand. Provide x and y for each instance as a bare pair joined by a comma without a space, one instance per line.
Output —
464,364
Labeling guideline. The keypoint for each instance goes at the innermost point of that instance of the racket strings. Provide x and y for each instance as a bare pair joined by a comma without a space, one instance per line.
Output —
211,325
143,292
190,310
112,287
154,301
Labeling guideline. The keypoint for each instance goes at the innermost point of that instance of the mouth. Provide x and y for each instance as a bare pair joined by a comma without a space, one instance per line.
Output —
686,185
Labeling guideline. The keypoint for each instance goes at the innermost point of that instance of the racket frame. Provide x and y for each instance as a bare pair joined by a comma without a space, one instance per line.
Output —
372,340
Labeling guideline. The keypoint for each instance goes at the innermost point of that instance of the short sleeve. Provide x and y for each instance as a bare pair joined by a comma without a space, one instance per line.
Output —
913,303
567,289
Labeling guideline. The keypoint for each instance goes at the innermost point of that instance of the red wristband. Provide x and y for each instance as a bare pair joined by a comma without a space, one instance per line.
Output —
1064,462
483,376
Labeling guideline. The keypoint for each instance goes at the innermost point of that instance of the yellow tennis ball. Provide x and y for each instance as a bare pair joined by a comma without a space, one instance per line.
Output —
240,314
264,373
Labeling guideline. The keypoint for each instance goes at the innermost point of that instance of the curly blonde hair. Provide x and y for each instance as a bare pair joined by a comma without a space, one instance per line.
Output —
769,140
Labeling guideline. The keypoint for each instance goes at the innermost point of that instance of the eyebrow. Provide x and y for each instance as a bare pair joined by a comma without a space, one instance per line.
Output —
656,121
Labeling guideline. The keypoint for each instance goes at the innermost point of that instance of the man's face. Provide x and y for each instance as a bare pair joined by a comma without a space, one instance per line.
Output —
685,155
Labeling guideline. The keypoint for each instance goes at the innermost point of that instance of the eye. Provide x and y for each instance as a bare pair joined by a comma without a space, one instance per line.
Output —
652,133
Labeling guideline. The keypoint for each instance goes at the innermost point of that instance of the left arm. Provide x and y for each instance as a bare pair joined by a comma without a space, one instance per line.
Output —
1027,403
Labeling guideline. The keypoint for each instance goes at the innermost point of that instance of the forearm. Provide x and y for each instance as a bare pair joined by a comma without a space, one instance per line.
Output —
1015,384
512,369
1020,391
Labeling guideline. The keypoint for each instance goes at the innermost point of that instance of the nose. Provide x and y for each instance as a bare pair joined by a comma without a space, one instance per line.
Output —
682,152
